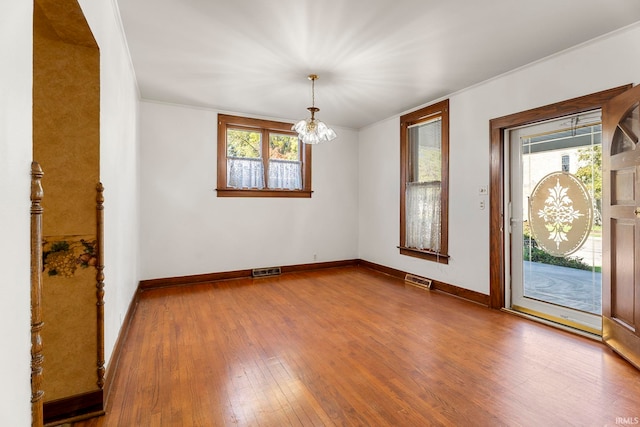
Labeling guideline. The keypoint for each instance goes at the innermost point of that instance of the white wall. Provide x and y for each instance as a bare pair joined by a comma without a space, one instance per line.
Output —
187,230
119,147
598,65
16,42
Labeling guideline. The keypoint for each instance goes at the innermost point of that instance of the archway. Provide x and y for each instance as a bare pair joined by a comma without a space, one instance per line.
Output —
66,143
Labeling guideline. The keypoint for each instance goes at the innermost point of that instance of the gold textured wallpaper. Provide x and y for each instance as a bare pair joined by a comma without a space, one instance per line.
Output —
66,142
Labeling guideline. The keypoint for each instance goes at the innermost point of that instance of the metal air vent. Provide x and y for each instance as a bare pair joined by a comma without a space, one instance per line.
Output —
420,282
263,272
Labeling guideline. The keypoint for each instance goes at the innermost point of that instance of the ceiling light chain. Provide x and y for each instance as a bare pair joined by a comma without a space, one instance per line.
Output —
313,79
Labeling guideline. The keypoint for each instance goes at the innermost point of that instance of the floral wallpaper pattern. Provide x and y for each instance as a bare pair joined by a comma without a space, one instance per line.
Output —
62,256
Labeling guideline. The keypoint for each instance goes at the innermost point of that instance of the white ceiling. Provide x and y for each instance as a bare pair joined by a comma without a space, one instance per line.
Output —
375,58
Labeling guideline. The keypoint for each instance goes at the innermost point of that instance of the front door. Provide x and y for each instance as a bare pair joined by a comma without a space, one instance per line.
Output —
621,225
554,223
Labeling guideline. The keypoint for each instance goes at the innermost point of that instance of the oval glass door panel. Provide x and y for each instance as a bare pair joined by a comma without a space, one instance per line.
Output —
560,213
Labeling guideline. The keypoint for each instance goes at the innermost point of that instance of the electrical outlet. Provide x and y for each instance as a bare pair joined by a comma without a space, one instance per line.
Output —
482,204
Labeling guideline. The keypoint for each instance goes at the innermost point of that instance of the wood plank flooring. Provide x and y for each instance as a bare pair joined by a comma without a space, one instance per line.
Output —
353,347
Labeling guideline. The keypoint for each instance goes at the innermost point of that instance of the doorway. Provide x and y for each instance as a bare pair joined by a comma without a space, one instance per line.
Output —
554,240
620,108
66,143
499,253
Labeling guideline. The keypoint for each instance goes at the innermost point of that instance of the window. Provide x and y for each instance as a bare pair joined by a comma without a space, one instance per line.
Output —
565,163
424,187
261,158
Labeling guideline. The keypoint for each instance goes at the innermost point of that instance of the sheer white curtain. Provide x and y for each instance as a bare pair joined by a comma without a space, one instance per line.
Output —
423,215
245,173
249,173
285,174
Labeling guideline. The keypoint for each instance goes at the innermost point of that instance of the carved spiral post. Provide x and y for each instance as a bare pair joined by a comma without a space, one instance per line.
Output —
37,394
100,282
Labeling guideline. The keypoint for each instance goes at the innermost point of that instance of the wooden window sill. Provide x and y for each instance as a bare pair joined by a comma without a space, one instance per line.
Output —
235,192
424,254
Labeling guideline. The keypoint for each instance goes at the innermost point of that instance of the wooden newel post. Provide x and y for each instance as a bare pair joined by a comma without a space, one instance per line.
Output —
100,283
37,394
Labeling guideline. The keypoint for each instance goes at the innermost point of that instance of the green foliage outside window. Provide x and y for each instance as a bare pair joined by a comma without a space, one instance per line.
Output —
243,143
426,140
430,164
283,147
590,173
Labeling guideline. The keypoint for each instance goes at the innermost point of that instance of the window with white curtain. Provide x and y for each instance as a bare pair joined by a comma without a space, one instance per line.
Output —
261,158
424,152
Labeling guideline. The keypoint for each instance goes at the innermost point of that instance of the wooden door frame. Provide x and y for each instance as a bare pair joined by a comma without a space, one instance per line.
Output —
497,250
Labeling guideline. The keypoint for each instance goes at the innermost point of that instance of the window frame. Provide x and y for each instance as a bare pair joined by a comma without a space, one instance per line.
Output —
266,127
565,166
439,109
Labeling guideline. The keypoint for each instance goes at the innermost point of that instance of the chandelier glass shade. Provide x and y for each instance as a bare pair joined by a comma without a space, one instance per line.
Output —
312,130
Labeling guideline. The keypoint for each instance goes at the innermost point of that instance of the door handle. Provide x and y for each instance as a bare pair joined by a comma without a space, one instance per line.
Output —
637,212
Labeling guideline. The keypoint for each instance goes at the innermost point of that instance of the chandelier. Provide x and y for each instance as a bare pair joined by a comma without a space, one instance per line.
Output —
312,130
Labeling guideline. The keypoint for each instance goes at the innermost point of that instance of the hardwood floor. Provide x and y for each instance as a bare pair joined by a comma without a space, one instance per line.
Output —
353,347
